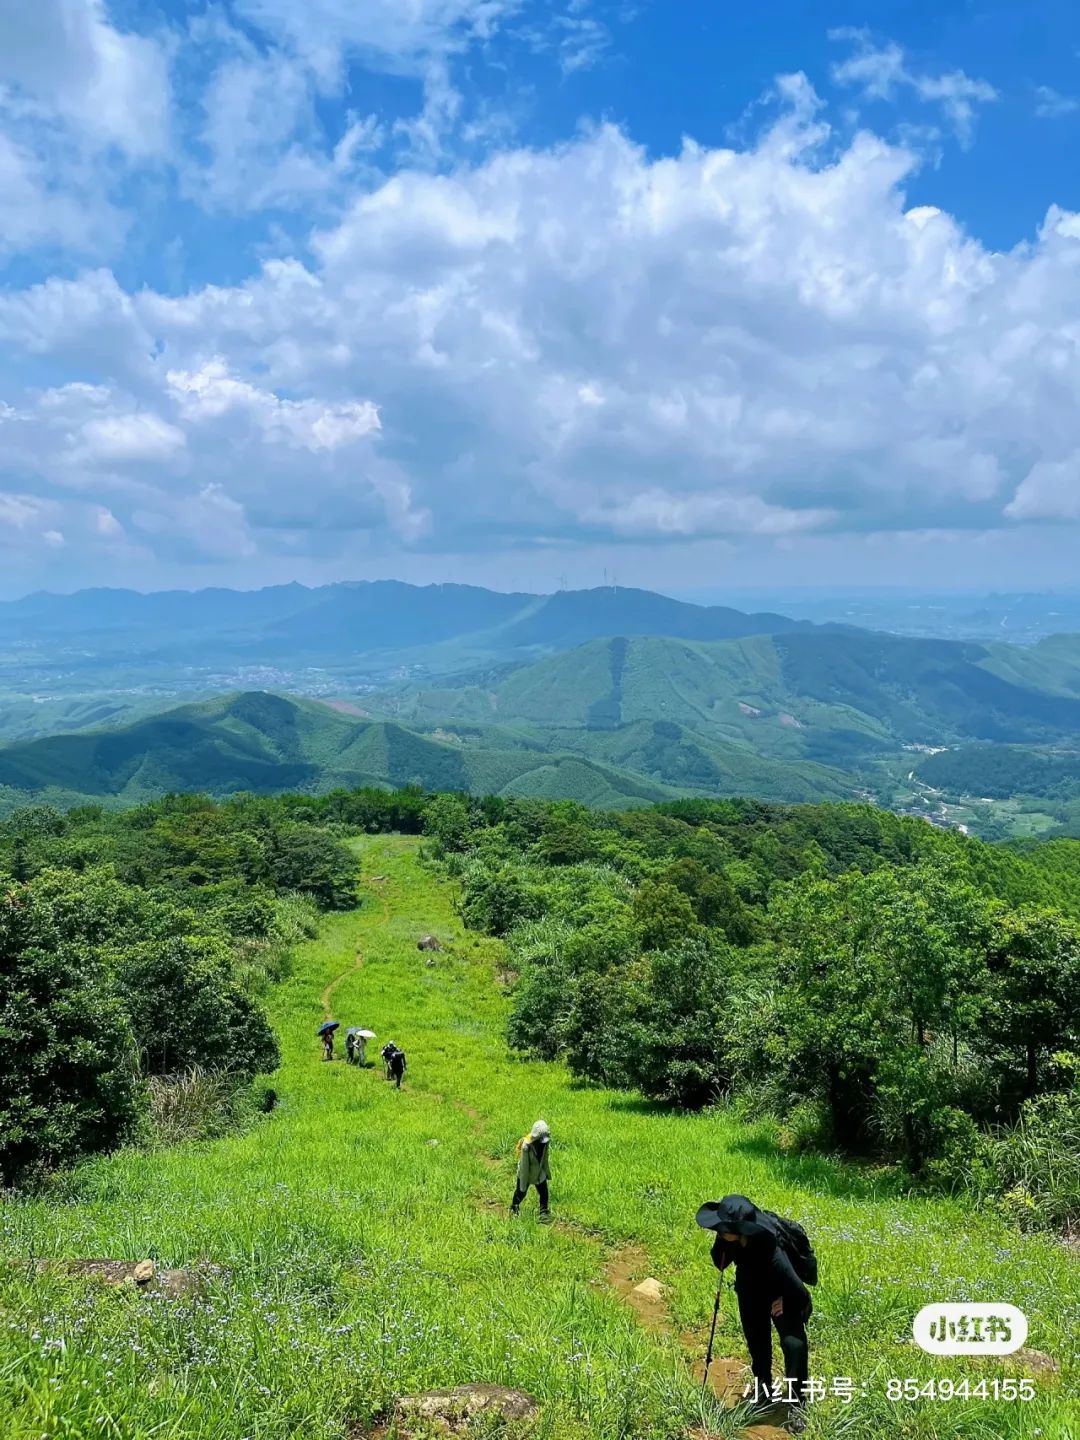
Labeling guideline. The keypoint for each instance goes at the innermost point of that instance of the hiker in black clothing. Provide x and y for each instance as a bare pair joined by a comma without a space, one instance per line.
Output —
394,1060
768,1288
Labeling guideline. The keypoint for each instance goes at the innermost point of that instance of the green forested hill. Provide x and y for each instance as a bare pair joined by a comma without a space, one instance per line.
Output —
828,696
266,743
29,719
792,717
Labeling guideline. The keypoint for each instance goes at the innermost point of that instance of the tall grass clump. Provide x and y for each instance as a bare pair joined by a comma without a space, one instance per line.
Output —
1037,1164
198,1104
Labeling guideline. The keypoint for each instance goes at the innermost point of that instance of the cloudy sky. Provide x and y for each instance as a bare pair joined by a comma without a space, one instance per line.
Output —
514,291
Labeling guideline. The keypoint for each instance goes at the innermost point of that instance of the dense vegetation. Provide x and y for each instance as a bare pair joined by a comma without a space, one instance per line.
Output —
1001,771
140,945
877,985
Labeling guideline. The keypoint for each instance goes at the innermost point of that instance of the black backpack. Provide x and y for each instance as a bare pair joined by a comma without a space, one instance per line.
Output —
797,1247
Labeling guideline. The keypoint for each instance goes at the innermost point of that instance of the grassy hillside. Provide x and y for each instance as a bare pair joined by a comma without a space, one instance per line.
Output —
1052,665
355,1245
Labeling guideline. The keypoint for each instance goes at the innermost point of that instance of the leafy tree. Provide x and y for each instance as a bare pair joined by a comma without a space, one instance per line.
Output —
663,914
835,999
315,863
494,901
590,1031
67,1061
673,1045
187,1009
568,837
447,821
1033,1005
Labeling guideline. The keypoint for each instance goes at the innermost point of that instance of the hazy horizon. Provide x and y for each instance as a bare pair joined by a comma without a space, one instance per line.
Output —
691,594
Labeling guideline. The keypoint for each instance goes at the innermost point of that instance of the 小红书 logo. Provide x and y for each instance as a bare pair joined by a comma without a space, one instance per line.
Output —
975,1329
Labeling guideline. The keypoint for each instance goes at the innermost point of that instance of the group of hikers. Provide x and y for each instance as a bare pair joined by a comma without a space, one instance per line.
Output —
393,1057
773,1259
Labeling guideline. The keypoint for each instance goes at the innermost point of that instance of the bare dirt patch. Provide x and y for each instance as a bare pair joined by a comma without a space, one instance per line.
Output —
763,1431
728,1377
345,707
327,994
627,1272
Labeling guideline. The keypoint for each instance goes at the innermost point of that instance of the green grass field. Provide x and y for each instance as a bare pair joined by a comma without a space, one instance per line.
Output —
354,1260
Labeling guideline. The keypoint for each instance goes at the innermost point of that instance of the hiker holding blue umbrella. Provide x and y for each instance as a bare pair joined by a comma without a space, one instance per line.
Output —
326,1035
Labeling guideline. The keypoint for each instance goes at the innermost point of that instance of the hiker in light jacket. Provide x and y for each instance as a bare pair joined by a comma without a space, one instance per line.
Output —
767,1288
533,1168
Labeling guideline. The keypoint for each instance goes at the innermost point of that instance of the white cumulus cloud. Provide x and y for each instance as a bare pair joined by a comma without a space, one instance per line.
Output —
112,87
580,345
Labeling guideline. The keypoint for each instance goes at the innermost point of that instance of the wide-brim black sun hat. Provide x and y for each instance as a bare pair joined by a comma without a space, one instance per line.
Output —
731,1218
708,1217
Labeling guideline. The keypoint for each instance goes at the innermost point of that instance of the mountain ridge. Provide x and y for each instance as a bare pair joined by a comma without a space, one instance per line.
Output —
267,743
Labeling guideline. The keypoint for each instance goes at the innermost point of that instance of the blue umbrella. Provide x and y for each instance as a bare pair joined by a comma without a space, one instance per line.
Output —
328,1027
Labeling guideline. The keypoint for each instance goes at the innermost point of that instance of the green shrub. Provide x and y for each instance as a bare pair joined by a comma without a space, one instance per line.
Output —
806,1127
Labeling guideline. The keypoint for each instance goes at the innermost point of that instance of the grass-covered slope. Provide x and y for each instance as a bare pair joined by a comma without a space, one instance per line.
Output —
350,1259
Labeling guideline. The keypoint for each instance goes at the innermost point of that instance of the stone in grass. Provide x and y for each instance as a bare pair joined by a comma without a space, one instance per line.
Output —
144,1274
649,1290
451,1410
428,942
1037,1362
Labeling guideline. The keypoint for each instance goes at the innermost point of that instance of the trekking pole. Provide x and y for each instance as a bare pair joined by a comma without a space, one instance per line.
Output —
712,1333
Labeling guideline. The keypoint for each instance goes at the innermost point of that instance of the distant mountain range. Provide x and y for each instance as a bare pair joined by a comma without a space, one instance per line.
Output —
611,696
111,638
796,716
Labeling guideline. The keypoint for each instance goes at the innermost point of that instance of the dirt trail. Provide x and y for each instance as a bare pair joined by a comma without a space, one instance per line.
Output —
628,1272
624,1268
328,992
324,998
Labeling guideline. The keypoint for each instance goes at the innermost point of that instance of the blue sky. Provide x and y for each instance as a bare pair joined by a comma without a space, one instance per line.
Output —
505,291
